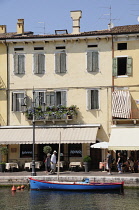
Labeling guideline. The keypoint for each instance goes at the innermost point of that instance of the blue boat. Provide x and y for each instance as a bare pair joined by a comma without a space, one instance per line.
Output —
85,185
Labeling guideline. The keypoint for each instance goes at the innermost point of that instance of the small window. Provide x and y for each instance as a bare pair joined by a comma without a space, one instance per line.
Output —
38,48
18,99
56,98
122,66
92,61
60,48
18,49
39,63
60,62
92,45
19,63
93,99
75,150
122,46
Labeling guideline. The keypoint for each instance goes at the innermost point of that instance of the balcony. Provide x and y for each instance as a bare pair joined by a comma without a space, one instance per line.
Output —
133,119
52,113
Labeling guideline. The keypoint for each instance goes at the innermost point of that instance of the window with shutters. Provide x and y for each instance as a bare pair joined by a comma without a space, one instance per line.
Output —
92,61
93,99
19,64
18,99
122,66
56,98
39,98
60,62
39,63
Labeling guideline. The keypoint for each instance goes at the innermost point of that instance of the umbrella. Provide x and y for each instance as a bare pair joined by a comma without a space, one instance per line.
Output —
101,145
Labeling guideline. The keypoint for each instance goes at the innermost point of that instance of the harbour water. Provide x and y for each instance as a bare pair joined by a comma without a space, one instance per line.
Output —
57,200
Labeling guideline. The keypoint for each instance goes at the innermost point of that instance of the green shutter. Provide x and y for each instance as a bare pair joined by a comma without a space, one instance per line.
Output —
94,99
63,62
16,63
41,63
89,61
21,64
35,63
95,61
63,98
114,66
129,66
57,62
36,98
88,99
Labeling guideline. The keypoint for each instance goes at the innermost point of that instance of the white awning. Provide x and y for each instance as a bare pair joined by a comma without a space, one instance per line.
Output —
48,135
124,139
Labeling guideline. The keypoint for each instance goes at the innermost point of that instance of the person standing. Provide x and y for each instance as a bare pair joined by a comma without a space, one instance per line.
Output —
119,163
48,163
109,162
53,162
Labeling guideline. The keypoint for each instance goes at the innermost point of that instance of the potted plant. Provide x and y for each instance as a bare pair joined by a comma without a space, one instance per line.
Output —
47,149
86,162
3,152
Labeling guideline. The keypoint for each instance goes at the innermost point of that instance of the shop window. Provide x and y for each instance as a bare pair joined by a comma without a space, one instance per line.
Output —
75,150
25,150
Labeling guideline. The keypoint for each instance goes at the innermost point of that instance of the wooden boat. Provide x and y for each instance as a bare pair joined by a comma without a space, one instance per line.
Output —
85,185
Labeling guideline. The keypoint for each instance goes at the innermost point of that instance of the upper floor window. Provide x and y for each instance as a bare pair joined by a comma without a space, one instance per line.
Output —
18,99
38,48
93,99
60,62
39,98
122,66
39,63
92,61
122,46
19,63
56,98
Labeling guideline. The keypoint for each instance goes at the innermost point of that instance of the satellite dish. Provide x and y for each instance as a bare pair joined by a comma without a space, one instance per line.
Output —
138,18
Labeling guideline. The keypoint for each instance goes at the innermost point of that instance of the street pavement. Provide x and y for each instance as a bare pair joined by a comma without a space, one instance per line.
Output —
71,173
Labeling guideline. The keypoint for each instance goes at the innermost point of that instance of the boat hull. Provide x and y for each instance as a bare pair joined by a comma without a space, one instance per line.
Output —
73,186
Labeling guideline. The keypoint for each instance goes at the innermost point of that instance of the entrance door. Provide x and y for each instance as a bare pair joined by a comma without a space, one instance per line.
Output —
95,155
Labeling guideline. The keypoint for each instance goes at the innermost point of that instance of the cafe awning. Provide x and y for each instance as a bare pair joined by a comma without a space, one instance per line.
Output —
48,135
124,138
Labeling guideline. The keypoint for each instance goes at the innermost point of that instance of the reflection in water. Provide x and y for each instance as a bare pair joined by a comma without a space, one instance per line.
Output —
61,200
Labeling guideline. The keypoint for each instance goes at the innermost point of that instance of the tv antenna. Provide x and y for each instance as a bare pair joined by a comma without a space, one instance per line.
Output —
111,25
42,26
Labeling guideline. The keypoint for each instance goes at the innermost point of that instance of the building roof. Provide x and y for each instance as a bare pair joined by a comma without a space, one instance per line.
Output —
127,29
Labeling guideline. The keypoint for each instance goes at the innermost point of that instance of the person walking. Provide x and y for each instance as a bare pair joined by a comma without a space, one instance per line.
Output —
48,163
109,162
53,162
119,163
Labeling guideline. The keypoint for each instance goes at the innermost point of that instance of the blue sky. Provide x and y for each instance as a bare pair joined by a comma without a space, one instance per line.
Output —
55,14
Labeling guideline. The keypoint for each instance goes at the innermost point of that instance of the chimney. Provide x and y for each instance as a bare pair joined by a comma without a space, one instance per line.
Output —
20,26
2,29
76,15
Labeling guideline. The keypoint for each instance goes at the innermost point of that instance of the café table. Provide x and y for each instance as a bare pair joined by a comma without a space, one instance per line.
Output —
29,165
11,165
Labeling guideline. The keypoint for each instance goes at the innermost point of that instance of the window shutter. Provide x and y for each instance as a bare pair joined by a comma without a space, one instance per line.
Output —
63,62
57,63
95,61
36,98
35,63
50,98
21,64
16,63
88,99
89,61
63,98
41,63
114,66
95,104
129,66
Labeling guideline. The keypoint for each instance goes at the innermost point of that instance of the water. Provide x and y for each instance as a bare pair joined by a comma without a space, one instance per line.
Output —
56,200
